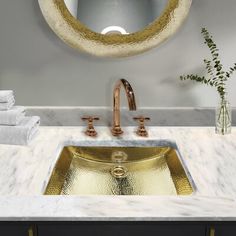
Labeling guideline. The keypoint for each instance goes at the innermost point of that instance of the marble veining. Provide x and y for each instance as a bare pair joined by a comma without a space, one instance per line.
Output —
210,159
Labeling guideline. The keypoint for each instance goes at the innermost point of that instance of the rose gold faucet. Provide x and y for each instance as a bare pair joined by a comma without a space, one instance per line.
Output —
116,129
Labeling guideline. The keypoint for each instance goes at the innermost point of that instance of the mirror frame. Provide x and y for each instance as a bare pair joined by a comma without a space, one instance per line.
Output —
78,36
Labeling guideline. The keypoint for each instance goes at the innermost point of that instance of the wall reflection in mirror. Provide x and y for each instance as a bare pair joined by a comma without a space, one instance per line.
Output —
116,16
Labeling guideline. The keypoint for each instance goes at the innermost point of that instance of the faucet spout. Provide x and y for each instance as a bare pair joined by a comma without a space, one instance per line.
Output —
116,129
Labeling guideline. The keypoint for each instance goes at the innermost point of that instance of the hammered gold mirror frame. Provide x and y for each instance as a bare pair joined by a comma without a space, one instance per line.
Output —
77,35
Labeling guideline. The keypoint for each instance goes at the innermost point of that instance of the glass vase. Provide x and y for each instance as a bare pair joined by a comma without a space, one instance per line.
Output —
223,118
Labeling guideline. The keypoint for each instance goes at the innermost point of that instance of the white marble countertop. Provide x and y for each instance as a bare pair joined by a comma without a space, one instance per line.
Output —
210,158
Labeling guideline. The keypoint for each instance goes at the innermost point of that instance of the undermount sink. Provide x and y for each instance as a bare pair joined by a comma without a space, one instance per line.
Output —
119,171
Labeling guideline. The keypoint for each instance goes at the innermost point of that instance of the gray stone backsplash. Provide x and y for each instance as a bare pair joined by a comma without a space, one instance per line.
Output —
71,116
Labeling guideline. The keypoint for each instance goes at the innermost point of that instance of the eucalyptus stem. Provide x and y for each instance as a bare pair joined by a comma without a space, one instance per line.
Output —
217,75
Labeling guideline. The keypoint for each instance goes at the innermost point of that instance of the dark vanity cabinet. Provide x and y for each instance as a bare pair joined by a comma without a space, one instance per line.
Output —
117,229
223,229
14,229
121,228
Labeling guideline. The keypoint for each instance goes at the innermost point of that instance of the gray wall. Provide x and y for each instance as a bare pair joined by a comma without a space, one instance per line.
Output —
44,71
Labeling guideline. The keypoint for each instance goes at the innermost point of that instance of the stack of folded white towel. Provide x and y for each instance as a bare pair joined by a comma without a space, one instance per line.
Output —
15,127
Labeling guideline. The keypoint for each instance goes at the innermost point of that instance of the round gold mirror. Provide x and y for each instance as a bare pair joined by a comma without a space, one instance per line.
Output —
114,28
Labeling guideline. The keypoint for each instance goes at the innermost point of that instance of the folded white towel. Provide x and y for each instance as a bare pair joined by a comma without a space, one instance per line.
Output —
21,134
4,106
13,116
6,95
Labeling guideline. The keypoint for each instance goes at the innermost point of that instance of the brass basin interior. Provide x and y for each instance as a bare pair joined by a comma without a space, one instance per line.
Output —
119,171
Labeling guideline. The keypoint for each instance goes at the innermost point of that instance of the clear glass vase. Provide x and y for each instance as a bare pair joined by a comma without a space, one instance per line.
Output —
223,118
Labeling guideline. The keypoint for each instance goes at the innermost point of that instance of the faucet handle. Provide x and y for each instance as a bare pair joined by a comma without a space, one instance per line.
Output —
90,129
141,131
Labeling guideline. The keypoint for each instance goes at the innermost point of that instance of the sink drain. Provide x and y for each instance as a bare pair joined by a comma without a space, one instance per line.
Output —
119,172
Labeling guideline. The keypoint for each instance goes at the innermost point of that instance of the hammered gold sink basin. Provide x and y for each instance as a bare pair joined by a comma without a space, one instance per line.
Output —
119,171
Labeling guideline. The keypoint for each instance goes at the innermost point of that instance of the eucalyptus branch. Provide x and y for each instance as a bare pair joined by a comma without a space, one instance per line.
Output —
195,78
217,76
231,71
209,67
